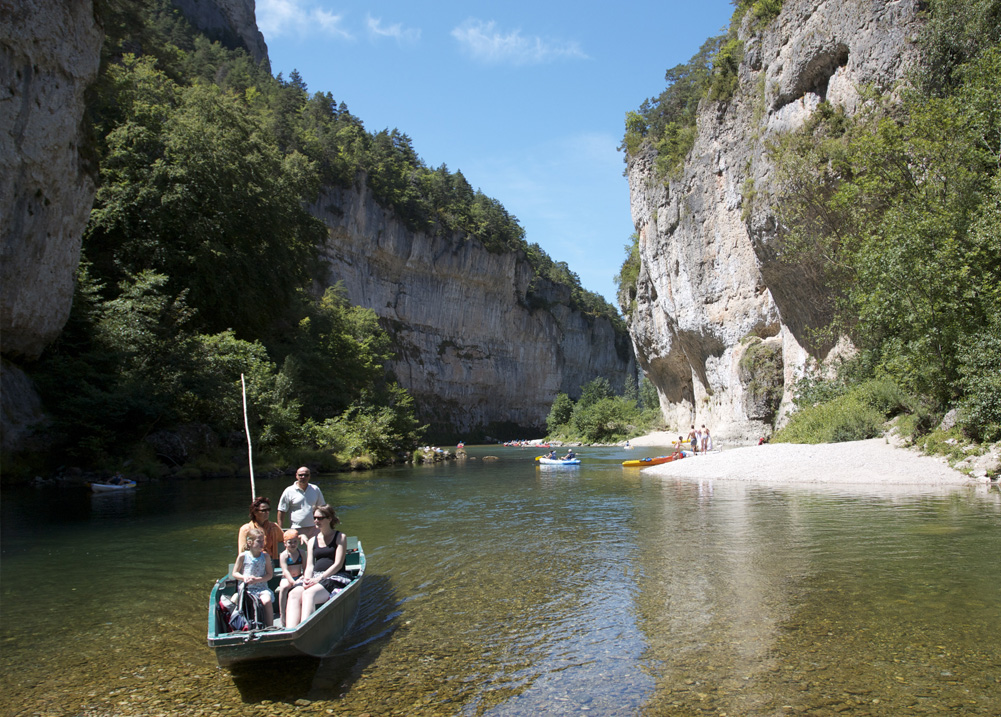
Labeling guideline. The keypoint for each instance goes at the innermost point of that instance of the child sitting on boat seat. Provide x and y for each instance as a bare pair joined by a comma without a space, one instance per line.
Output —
253,568
293,562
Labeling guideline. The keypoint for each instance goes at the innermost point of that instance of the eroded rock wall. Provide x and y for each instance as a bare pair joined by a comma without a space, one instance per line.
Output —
49,56
476,346
710,288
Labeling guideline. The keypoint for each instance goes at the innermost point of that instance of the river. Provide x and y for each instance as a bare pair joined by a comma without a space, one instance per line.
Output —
504,588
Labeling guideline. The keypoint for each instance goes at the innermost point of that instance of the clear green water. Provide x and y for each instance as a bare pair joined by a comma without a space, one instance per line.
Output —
502,588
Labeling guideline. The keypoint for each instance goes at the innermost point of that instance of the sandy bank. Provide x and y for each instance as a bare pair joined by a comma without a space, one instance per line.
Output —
871,462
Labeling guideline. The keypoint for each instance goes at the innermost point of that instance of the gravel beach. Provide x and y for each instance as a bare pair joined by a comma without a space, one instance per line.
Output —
871,462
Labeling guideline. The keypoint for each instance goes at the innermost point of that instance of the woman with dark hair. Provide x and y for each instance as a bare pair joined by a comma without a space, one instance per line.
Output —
260,518
324,561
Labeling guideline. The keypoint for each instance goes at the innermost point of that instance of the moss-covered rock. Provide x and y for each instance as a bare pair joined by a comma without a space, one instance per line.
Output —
761,375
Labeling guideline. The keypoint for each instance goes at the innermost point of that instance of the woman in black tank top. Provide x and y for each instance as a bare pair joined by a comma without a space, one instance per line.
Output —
325,558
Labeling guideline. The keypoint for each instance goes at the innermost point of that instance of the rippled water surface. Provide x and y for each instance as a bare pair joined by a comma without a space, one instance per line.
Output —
503,588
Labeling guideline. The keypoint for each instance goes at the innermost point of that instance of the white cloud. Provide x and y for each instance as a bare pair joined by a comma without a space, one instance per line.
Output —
397,32
298,17
485,43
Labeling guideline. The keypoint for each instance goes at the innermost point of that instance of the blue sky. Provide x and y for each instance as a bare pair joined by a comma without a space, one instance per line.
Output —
527,99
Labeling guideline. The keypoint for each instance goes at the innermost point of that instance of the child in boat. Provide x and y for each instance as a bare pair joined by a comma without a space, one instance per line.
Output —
253,568
293,562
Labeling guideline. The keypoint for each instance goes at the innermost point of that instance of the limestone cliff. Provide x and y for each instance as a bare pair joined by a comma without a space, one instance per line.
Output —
49,55
476,345
719,325
232,23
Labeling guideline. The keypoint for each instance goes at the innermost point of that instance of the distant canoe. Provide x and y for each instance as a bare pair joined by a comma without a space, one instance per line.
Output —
558,461
110,487
646,462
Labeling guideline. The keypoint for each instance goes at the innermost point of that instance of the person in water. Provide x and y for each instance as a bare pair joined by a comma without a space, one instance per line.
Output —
260,513
324,560
253,568
293,564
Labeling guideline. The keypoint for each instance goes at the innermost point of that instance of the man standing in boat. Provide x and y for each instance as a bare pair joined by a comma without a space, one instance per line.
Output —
298,501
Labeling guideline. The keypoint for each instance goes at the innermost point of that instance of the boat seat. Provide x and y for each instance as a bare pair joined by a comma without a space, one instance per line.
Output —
352,560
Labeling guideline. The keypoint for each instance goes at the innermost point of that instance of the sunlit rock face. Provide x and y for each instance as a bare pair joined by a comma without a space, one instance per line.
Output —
475,347
232,23
709,281
49,55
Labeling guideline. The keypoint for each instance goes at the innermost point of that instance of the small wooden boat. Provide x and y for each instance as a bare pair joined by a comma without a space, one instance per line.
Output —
316,636
647,462
558,461
107,487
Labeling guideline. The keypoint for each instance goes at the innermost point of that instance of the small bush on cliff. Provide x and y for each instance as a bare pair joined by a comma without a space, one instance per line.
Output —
628,276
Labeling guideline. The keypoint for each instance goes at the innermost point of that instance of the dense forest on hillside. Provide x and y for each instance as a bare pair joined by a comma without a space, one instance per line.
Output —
196,261
900,205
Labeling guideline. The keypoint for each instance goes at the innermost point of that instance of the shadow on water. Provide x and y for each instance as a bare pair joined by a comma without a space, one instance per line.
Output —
284,680
289,680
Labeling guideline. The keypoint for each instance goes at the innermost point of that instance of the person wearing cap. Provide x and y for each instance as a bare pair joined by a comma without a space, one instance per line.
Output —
297,502
260,518
292,565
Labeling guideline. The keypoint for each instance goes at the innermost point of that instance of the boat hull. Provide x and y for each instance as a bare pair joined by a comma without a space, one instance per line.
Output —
111,487
316,636
558,462
647,462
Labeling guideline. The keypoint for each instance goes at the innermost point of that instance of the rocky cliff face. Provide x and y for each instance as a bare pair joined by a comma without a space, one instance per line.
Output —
719,325
233,23
475,347
49,55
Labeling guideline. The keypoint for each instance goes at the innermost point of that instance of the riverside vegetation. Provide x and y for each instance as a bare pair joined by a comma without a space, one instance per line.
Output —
900,208
599,416
196,265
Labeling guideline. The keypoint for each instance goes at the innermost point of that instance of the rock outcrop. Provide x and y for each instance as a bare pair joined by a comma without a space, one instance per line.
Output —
232,23
477,346
710,288
49,56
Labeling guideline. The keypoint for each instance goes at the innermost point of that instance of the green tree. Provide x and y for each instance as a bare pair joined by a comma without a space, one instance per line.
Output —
595,390
192,187
899,206
559,414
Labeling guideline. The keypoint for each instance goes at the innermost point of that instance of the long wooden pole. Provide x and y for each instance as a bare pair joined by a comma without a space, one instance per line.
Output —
250,451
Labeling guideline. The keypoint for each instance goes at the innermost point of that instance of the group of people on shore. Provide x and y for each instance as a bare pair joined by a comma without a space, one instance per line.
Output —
307,580
698,439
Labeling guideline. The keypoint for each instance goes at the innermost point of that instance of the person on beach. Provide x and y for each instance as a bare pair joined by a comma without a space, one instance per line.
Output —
706,442
324,561
253,568
298,501
693,440
293,564
260,519
680,448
